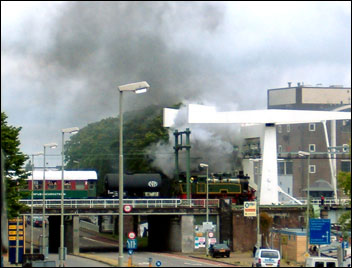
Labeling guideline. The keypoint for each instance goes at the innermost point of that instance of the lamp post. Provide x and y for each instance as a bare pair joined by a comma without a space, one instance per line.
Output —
44,251
138,88
302,153
33,155
61,251
207,207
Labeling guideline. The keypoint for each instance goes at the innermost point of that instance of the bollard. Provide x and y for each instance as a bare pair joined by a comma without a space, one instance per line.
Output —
150,262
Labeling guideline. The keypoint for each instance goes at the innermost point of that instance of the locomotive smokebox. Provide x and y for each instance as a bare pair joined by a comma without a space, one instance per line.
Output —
134,183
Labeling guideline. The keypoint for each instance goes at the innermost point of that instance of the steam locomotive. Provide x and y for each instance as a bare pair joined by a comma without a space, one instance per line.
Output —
153,185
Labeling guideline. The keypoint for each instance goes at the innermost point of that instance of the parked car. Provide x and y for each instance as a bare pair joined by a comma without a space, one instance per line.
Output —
219,250
266,258
321,262
38,221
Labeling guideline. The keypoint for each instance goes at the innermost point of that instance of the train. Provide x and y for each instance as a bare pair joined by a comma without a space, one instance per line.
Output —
83,184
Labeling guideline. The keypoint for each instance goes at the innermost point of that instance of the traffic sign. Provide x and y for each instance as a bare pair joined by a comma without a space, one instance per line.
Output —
250,209
207,226
319,230
130,251
131,235
127,208
344,244
210,234
158,263
131,243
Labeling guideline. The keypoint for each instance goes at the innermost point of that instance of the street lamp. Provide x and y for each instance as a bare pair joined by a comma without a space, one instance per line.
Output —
202,165
302,153
44,251
33,155
139,87
71,130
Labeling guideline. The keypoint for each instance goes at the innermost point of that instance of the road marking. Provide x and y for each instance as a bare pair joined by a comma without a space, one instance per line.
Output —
198,264
97,241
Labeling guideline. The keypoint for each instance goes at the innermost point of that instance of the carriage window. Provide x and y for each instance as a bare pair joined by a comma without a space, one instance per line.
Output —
38,185
52,185
80,185
68,185
91,185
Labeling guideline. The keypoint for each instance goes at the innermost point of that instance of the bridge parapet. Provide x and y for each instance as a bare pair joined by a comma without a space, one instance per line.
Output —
114,203
329,201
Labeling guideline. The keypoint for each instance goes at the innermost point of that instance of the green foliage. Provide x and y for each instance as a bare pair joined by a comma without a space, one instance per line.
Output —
265,223
344,180
96,146
14,161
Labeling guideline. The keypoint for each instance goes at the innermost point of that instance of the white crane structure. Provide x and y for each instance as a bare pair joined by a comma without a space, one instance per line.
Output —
269,190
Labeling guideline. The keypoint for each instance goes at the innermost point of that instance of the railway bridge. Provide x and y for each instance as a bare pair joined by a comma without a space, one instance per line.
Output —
175,224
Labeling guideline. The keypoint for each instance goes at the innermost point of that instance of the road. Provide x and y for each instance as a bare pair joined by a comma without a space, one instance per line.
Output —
103,252
141,259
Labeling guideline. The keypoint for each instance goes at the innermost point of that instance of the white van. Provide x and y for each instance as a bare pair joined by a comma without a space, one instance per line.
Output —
321,262
266,258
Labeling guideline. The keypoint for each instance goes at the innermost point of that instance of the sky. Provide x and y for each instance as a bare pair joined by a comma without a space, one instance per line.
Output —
61,62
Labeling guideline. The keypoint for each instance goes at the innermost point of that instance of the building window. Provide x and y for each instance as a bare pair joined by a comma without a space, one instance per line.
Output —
284,168
279,128
345,148
346,166
288,128
289,168
311,147
281,168
312,127
279,149
312,169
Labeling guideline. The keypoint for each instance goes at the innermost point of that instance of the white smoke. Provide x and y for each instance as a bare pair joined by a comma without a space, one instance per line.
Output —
212,144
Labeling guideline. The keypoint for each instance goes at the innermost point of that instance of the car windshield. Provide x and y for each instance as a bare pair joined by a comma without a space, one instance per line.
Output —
221,246
269,254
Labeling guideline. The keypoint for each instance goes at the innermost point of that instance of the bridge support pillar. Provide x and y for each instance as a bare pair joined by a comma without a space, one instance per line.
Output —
187,233
72,234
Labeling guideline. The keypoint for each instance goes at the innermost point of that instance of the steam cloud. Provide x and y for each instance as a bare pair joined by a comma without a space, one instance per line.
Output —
212,144
64,68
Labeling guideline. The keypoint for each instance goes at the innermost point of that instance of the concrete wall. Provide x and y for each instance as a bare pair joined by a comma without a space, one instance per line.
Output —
72,235
174,241
187,234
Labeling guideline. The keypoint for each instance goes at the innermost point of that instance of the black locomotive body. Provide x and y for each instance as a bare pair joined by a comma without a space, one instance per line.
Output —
153,185
138,185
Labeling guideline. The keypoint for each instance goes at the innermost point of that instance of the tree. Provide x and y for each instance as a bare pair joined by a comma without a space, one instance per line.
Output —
14,161
265,224
96,146
344,179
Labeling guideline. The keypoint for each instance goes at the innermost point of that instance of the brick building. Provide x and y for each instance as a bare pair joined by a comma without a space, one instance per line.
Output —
313,138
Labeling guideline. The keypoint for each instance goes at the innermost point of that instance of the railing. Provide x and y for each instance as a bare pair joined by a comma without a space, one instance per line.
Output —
329,201
114,203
